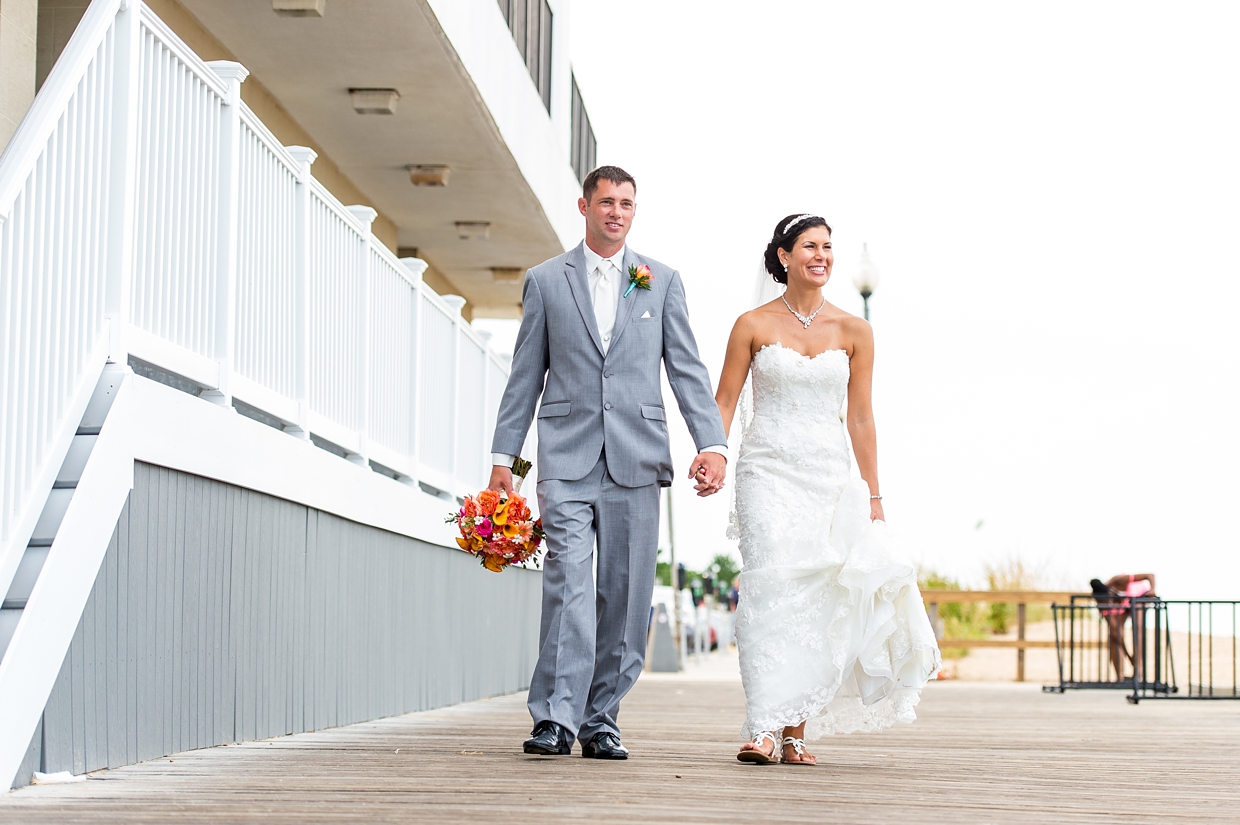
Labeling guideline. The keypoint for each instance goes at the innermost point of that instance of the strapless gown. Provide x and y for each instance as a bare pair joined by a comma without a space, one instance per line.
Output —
830,626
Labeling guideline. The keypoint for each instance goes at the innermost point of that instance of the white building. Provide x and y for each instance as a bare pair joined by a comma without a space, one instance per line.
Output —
241,242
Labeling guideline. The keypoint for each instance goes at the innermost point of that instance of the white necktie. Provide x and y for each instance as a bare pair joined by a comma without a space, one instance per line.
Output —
605,304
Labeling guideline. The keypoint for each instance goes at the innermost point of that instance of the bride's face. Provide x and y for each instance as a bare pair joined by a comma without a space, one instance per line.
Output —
810,261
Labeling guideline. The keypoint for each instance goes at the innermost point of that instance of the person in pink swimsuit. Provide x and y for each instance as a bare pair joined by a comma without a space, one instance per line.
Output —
1114,603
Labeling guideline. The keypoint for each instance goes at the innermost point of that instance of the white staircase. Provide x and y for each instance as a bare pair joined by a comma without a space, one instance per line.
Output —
146,214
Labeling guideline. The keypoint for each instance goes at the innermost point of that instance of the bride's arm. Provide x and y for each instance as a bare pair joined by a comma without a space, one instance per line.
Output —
735,369
861,411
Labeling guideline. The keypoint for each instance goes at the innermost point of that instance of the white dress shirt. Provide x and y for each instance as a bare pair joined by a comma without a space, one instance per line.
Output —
604,277
604,273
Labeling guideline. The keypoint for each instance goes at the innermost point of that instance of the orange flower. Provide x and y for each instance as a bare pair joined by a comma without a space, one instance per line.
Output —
487,502
493,563
464,544
471,507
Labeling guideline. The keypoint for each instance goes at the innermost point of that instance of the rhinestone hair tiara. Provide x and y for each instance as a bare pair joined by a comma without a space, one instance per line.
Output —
796,221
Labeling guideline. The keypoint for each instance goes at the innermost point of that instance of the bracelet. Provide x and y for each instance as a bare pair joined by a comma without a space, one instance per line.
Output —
879,498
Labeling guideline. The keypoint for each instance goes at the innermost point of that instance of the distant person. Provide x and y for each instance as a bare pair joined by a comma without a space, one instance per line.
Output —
1113,598
734,595
831,630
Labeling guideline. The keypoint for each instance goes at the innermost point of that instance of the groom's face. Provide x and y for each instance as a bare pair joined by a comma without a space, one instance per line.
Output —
609,213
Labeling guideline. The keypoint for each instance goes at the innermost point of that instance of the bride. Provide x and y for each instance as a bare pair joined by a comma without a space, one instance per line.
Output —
832,633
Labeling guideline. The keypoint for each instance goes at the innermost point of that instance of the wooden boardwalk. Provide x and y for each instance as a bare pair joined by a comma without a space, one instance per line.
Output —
980,753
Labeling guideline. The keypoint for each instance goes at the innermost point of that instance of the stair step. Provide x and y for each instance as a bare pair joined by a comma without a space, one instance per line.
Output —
53,513
13,604
27,574
9,617
88,430
75,459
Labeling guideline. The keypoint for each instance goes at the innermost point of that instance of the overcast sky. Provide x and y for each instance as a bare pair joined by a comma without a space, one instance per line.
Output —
1051,192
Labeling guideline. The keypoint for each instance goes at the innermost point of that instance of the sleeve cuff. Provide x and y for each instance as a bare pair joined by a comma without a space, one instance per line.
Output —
721,449
502,460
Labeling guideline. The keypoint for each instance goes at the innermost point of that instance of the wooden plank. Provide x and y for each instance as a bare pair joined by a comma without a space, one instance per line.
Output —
978,753
998,596
118,667
1015,644
140,661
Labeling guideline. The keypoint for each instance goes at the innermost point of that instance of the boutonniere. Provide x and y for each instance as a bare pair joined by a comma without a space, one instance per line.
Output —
639,278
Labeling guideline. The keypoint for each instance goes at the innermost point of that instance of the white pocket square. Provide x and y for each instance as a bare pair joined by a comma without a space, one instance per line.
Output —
646,314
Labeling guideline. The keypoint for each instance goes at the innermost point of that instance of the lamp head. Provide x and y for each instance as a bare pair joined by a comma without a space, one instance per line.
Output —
866,279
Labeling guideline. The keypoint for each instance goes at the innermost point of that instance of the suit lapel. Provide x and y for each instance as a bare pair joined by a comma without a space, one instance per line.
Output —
626,304
575,271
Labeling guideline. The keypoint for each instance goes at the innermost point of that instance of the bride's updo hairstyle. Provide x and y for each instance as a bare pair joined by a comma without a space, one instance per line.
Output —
786,233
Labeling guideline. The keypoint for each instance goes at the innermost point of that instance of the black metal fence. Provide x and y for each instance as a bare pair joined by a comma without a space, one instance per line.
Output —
1154,648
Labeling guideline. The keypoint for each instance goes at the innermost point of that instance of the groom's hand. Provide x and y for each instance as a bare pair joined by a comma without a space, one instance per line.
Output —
709,471
501,479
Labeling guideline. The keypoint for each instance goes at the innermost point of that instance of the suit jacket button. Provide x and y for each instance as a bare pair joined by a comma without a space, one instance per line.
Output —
607,406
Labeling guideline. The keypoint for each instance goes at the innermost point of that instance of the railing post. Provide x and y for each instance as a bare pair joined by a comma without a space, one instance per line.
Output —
124,162
304,157
233,74
1020,636
365,216
457,303
416,267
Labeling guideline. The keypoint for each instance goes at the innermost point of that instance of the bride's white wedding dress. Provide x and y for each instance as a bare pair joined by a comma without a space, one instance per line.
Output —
830,627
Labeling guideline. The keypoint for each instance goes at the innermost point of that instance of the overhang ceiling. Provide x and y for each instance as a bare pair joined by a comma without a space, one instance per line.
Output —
309,65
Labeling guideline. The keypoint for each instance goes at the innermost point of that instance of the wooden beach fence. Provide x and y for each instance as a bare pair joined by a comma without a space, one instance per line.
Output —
1020,598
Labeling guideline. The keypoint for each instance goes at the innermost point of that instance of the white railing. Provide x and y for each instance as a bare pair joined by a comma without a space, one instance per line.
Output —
145,212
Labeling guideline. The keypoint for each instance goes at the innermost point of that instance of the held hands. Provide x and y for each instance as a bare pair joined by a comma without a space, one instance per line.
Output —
501,479
709,471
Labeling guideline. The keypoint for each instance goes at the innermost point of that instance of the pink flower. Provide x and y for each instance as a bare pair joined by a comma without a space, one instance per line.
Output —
484,528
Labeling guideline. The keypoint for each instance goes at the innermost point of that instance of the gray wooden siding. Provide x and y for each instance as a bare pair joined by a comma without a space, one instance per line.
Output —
222,615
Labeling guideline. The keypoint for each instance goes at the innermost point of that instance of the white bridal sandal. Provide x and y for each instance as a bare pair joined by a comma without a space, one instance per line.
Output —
797,745
757,756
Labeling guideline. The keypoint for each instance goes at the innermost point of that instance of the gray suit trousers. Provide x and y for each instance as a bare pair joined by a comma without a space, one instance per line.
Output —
592,644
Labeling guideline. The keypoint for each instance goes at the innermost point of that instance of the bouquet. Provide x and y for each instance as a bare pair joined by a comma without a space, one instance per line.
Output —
498,527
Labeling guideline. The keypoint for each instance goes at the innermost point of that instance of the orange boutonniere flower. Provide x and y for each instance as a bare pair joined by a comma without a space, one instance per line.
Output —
639,278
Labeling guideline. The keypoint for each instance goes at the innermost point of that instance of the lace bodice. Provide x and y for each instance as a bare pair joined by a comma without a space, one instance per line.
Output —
789,386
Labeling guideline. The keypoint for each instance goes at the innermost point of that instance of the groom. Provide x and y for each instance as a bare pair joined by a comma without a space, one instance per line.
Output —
603,454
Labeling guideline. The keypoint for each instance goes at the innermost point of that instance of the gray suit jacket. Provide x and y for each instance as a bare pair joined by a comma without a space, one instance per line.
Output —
589,400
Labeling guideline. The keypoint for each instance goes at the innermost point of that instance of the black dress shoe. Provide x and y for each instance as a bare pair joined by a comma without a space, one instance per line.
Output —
549,739
604,746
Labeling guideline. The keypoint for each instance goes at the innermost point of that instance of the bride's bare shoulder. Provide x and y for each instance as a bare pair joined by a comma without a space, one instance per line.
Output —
757,318
857,330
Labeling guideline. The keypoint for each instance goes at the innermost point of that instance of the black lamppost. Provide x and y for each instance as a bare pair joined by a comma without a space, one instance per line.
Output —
866,279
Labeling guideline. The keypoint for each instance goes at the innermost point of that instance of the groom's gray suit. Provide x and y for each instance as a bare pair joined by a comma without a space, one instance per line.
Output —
603,454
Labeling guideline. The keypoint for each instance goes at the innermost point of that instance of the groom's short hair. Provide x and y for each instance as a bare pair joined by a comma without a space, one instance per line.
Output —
612,173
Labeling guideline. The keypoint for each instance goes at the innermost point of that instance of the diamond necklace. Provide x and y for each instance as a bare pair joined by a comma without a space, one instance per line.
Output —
800,317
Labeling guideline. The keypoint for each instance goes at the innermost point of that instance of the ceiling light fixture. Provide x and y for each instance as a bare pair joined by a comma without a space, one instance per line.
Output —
299,8
421,174
374,101
473,230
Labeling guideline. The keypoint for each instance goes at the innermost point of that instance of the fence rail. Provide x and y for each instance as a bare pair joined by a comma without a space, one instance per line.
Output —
147,213
1020,598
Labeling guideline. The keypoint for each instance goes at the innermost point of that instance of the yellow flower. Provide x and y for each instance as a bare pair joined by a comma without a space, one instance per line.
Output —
463,543
493,563
511,530
501,513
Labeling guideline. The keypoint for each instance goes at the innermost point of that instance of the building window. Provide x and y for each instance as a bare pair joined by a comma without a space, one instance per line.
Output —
530,24
584,144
